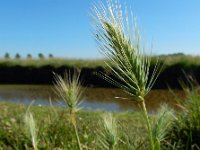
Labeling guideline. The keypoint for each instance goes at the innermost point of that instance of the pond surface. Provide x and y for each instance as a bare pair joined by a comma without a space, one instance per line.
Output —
92,99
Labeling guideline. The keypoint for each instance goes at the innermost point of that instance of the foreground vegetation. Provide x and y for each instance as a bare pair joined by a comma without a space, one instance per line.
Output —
54,131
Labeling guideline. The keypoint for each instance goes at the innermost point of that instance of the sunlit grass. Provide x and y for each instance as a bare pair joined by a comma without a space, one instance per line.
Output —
54,62
31,128
69,89
108,137
120,41
55,130
186,128
185,60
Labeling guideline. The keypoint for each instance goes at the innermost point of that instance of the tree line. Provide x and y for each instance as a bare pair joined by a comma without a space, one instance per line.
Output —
28,56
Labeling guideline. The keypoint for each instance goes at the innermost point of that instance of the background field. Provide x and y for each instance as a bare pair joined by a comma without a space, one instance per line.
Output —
40,71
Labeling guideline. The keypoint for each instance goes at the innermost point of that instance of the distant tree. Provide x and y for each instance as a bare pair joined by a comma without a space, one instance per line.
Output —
41,56
29,56
6,56
50,55
17,56
176,54
179,54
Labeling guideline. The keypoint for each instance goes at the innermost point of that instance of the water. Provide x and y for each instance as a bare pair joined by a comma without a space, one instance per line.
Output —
93,98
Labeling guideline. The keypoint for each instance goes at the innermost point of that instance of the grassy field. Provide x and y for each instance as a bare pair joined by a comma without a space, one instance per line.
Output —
54,62
55,131
184,60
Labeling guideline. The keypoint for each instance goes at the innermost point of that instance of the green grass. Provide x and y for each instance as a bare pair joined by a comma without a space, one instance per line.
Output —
55,131
54,62
70,90
184,60
186,129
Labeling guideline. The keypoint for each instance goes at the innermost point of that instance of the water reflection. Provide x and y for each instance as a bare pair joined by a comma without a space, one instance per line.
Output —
93,98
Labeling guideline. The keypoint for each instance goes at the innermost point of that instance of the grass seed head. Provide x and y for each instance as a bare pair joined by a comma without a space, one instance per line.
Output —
31,129
109,137
69,89
119,40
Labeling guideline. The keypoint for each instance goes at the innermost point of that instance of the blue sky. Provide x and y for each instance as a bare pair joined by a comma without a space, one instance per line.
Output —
63,27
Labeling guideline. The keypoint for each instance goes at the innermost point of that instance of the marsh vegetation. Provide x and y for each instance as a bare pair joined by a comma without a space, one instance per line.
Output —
133,71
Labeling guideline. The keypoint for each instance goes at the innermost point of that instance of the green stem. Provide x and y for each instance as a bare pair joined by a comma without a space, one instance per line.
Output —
77,138
73,120
148,123
112,147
